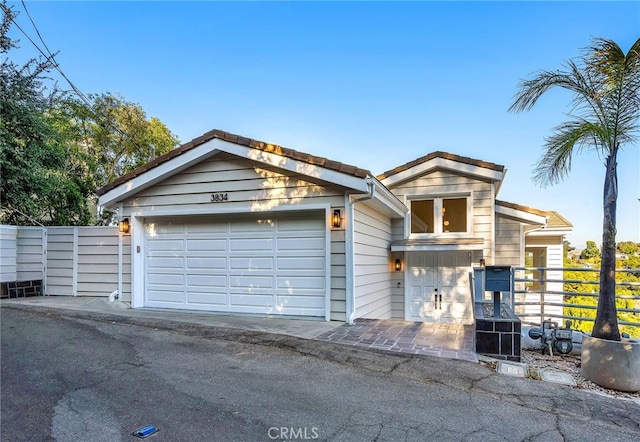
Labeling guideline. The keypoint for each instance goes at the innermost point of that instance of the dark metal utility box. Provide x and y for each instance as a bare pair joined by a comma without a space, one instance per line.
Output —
497,279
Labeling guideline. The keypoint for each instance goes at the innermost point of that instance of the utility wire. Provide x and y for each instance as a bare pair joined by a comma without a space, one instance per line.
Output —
51,57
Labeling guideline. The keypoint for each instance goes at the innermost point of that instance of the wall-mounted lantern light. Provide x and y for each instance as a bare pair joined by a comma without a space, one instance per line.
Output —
336,220
482,262
123,225
398,265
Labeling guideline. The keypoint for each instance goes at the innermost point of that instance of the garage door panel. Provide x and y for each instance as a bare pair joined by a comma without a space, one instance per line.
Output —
270,264
205,227
207,298
207,263
166,245
252,226
207,245
176,297
253,244
298,244
212,281
250,282
167,279
244,300
164,262
301,282
301,302
301,263
251,263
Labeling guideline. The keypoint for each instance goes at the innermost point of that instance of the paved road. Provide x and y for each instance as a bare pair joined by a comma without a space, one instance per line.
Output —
69,377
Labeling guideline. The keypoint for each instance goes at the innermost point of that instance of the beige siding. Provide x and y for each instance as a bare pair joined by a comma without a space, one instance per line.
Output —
372,256
249,189
441,183
8,253
508,242
397,278
338,276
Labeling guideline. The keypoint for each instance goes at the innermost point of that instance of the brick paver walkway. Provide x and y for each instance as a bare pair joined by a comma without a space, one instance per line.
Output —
443,340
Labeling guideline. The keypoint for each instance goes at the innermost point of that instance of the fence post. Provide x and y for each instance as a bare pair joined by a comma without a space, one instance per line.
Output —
75,262
543,284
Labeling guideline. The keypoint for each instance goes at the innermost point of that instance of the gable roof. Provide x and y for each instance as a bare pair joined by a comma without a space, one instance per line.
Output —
553,220
556,220
443,160
242,141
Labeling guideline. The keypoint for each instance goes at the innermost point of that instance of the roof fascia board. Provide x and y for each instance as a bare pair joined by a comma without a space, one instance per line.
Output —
387,198
443,163
521,215
156,174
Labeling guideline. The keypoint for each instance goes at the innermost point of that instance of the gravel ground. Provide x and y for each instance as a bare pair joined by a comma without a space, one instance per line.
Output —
569,364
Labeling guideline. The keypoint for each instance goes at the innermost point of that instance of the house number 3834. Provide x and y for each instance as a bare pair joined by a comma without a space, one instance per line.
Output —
219,197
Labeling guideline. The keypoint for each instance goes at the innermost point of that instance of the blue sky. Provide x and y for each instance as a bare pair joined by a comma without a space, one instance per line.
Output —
372,84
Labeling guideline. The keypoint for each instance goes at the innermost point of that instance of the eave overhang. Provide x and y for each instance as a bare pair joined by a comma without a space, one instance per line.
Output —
521,215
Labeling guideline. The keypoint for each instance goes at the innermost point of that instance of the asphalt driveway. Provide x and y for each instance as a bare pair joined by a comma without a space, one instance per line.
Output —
79,377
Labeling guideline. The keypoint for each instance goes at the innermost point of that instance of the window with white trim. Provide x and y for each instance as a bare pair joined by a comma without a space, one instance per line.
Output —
442,215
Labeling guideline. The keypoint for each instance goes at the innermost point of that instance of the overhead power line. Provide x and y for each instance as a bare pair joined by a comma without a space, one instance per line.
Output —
49,56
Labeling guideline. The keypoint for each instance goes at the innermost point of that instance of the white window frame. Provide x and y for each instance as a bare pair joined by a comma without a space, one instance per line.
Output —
437,215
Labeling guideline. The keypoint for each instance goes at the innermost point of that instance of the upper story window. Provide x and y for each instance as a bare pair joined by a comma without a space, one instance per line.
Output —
440,215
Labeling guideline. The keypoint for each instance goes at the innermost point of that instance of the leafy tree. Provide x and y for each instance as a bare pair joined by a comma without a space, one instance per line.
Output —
39,183
567,248
605,83
115,137
117,134
57,150
628,247
591,251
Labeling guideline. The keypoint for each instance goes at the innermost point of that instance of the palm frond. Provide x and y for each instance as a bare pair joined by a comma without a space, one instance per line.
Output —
568,138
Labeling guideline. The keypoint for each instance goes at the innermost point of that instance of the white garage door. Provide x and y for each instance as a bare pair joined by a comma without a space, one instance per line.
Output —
273,265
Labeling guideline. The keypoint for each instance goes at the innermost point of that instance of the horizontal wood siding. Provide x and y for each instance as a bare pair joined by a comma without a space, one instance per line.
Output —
442,183
397,278
8,254
98,261
248,188
61,259
72,261
508,242
338,276
372,241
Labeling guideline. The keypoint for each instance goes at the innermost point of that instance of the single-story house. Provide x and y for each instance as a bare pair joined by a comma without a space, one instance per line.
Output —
226,223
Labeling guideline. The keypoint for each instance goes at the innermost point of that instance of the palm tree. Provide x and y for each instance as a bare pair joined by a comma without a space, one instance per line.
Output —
605,83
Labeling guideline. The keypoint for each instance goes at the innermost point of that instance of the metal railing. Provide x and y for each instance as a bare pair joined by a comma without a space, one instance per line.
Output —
538,293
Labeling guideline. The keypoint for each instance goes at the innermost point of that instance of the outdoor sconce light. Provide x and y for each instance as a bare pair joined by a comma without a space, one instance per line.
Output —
398,265
481,262
123,225
336,221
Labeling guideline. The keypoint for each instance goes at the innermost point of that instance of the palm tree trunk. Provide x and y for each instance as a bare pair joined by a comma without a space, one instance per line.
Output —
606,324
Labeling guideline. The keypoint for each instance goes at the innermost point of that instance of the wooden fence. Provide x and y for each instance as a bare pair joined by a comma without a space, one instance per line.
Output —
71,261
